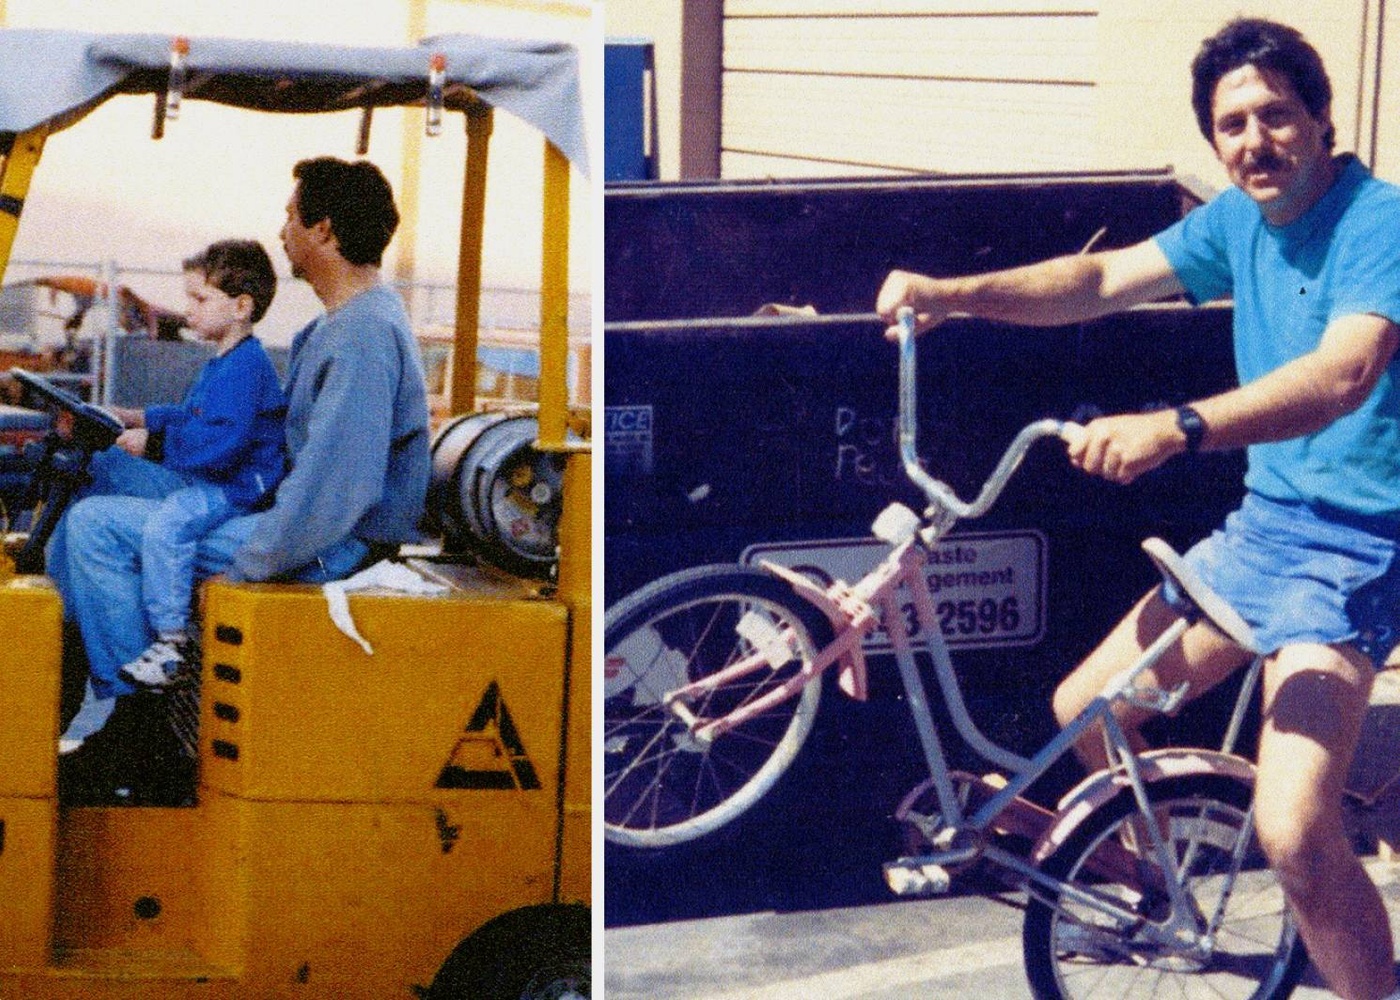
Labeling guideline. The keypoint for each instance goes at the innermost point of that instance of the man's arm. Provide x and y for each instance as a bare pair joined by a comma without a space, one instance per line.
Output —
1051,293
1302,397
339,472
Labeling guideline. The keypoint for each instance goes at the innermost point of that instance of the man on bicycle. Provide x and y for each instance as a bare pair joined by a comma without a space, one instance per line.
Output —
1308,245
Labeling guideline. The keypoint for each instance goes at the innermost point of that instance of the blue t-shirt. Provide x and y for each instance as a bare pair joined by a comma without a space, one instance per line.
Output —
1340,258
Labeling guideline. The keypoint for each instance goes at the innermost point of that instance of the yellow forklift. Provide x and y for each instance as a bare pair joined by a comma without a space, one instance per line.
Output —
326,822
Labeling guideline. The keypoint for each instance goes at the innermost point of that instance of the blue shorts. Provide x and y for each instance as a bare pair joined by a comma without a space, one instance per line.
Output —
1300,576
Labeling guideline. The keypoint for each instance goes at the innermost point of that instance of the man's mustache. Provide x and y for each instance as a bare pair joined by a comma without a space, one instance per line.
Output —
1264,161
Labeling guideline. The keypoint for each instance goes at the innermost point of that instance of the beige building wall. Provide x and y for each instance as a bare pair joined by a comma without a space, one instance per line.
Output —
953,86
851,87
1383,101
1143,111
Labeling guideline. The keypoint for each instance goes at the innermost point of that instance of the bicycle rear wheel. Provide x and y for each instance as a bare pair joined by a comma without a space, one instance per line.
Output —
662,786
1072,953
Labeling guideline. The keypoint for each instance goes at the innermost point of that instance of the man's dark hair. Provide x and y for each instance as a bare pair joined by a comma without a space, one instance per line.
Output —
356,198
1265,45
238,267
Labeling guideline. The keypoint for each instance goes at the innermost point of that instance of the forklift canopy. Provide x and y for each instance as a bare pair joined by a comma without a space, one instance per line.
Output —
54,78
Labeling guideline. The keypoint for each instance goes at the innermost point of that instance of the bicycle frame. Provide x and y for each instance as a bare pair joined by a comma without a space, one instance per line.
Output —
959,838
875,601
1181,925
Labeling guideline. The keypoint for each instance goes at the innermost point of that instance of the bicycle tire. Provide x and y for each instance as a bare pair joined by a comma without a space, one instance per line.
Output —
661,786
1257,953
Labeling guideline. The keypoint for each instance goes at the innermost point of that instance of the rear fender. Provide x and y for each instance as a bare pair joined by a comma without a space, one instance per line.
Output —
1156,765
851,663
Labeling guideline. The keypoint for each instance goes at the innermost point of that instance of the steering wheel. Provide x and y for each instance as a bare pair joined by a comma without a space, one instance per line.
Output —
93,427
62,465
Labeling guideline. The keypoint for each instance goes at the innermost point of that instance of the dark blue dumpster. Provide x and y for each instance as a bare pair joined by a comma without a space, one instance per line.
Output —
732,437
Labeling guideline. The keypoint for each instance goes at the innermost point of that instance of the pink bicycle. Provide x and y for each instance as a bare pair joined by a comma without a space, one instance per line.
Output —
1145,880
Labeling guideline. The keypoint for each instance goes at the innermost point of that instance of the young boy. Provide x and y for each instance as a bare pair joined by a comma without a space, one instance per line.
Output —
225,440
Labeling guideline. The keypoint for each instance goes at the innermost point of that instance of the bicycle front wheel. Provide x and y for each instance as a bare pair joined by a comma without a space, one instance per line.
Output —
662,786
1073,952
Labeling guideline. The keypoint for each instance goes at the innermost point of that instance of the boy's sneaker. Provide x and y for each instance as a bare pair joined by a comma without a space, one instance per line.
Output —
162,663
92,716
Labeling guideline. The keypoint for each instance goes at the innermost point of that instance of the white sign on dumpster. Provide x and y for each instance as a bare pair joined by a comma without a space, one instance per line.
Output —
627,439
988,587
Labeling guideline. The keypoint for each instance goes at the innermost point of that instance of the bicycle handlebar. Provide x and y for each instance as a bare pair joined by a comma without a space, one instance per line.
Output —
940,494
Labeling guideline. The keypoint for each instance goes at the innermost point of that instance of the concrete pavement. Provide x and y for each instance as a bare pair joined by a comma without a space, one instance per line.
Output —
940,949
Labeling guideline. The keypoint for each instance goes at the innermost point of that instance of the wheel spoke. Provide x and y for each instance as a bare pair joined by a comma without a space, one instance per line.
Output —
662,783
1253,951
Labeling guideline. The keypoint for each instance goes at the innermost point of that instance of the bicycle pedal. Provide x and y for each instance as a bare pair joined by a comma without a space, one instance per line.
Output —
908,877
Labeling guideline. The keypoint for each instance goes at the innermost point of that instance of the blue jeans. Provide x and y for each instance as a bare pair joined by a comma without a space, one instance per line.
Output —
94,559
114,473
169,544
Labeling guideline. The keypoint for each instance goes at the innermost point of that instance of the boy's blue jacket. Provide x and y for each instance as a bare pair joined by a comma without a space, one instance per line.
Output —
228,430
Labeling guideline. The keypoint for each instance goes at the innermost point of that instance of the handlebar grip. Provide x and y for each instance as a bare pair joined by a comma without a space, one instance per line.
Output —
1071,433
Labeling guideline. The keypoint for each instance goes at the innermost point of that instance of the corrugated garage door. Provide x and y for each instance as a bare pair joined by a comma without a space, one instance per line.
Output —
850,87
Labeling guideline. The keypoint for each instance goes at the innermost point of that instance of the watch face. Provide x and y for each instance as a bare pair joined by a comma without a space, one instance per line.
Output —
1191,424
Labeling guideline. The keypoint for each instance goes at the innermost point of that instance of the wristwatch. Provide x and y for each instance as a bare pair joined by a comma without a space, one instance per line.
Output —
1191,424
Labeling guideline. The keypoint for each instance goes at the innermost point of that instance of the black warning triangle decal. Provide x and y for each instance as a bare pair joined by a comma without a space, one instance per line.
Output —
490,753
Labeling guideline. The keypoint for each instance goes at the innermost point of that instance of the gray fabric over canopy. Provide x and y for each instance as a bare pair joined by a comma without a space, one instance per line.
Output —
55,77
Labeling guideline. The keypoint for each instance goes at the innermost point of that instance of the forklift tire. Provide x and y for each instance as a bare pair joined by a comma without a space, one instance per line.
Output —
535,953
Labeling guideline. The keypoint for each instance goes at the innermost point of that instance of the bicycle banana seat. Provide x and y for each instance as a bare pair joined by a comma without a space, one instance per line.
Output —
1214,608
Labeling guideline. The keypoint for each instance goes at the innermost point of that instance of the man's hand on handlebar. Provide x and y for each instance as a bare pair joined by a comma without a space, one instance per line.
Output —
904,288
1119,448
1122,448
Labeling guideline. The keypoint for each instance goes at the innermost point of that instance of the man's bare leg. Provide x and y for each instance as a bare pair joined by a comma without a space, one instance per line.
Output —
1314,700
1202,655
